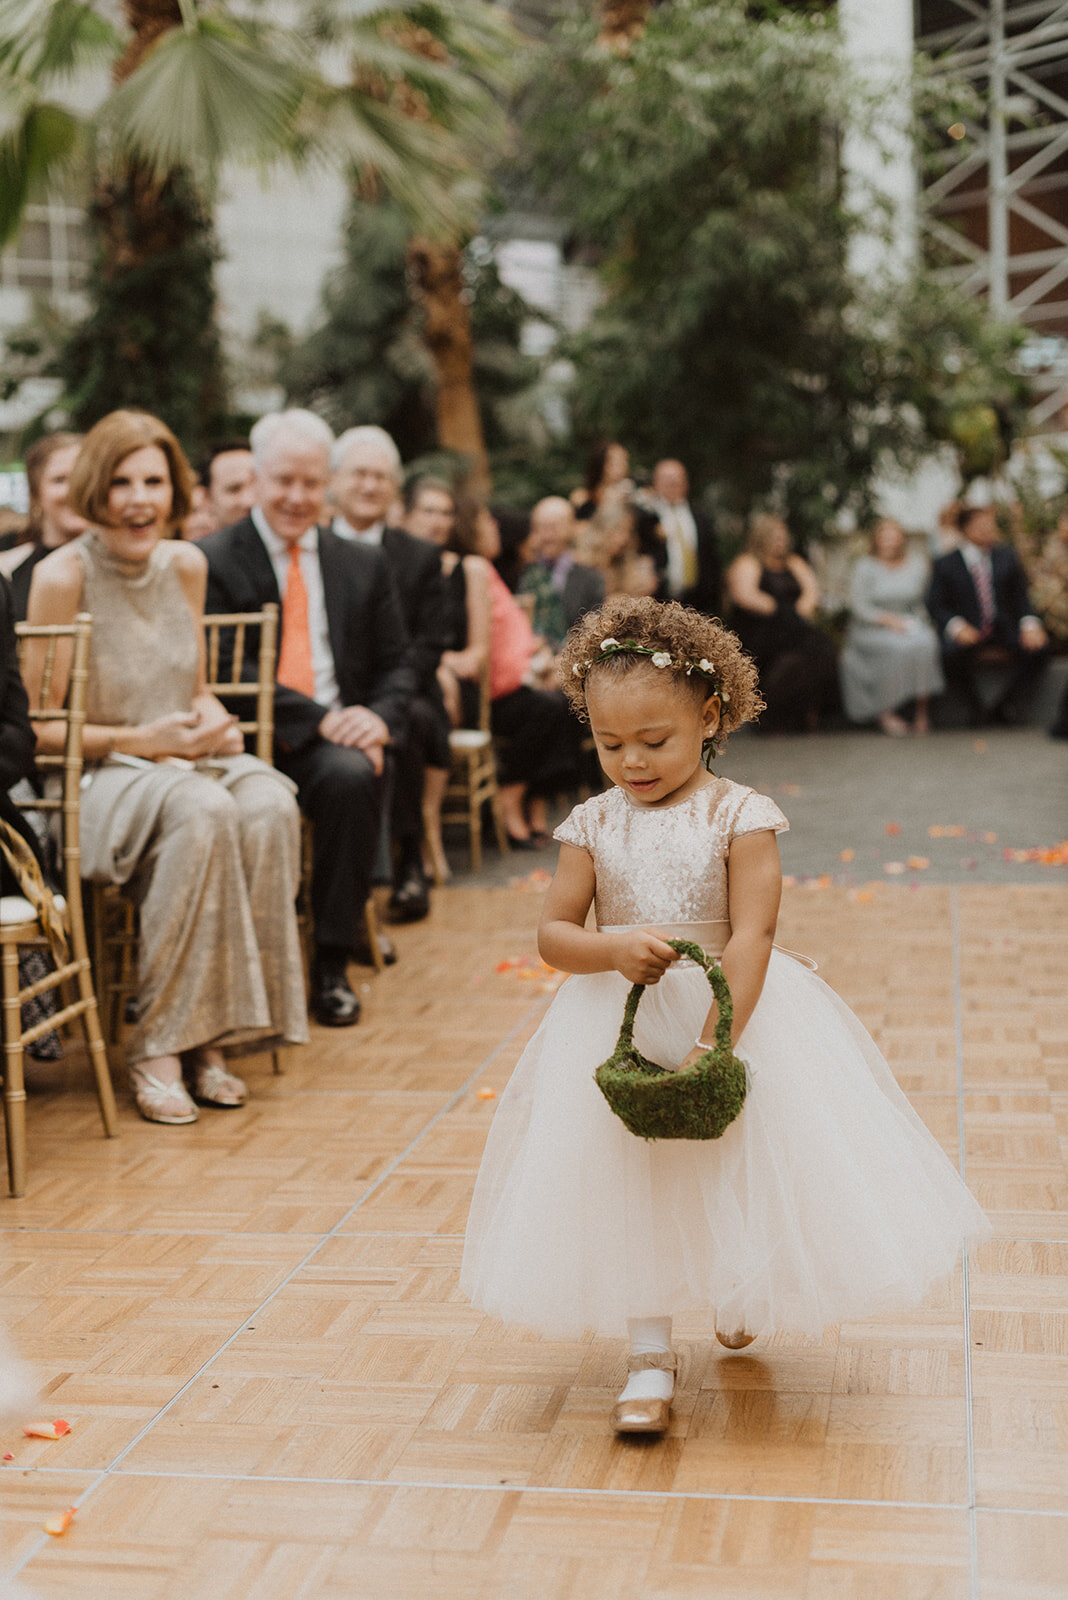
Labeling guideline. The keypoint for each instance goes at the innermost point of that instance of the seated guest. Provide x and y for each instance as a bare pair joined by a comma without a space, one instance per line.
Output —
693,567
891,654
228,477
562,588
343,679
607,475
429,510
979,602
366,478
52,522
541,754
774,594
206,838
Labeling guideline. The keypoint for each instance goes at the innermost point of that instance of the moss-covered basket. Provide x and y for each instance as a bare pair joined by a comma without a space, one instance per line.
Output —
655,1103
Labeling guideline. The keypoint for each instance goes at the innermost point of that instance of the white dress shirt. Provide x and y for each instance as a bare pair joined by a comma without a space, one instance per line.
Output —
326,687
371,535
680,531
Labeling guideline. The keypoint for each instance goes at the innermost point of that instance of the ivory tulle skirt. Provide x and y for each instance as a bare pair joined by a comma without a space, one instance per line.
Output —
827,1200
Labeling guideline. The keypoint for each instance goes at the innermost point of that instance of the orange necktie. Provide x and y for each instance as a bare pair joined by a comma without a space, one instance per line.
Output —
296,669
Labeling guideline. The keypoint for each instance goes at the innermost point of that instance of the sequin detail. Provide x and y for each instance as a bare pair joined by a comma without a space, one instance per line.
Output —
666,865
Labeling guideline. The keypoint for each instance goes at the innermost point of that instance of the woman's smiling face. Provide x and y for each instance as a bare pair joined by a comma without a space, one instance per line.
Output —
649,729
139,504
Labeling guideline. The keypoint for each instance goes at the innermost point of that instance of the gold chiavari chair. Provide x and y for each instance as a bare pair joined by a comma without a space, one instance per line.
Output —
472,783
114,915
20,921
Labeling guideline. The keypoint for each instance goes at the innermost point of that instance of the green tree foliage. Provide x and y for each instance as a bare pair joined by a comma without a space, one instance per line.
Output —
702,169
366,360
396,96
150,338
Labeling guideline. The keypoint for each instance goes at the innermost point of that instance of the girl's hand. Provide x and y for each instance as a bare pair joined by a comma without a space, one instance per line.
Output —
641,955
691,1060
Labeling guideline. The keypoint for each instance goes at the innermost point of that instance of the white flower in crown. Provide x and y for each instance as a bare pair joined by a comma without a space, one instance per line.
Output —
661,658
579,668
609,644
706,666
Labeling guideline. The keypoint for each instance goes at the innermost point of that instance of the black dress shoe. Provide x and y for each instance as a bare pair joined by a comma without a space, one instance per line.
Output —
522,844
410,900
333,1003
363,955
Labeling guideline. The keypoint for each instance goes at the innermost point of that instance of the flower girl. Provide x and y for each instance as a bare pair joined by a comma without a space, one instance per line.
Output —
826,1199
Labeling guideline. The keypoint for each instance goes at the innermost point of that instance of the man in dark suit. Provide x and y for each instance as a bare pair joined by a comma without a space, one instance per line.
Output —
693,566
365,483
344,681
979,602
563,589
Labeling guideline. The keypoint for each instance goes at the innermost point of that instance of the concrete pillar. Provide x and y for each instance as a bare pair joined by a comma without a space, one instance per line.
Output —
877,151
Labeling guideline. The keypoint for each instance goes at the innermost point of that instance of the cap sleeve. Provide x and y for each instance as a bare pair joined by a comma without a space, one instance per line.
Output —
574,829
758,814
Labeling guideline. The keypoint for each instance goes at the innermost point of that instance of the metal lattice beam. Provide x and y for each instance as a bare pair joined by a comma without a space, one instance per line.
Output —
1000,175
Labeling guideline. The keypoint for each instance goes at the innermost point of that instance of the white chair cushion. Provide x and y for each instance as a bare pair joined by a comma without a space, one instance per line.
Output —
13,908
469,738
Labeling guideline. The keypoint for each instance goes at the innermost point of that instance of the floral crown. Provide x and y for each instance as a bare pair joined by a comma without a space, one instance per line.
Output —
658,658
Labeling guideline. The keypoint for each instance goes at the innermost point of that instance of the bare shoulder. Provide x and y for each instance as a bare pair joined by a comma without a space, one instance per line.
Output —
57,587
186,559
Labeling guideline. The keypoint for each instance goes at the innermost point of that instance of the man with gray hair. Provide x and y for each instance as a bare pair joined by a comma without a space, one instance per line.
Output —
343,680
365,483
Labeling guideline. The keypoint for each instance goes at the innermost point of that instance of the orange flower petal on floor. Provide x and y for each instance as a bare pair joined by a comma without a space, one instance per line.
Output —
846,855
918,863
8,1456
487,1094
893,829
58,1525
46,1430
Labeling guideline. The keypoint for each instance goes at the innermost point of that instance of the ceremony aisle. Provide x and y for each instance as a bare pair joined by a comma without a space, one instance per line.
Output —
274,1389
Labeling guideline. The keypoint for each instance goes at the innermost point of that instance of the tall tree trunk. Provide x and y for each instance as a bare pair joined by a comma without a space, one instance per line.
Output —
150,339
436,274
622,21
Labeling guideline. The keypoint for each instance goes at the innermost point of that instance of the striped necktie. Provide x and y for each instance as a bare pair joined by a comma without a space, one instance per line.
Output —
984,588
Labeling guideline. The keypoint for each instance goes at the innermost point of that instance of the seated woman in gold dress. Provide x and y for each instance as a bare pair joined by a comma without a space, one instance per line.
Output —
205,838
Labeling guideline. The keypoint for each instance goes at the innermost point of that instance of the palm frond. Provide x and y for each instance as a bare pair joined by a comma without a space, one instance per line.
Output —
49,39
204,94
34,143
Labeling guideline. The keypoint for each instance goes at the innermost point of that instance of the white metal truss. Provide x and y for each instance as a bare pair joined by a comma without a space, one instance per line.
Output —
1006,167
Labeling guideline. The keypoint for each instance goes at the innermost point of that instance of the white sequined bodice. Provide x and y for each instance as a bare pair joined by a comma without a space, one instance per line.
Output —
666,865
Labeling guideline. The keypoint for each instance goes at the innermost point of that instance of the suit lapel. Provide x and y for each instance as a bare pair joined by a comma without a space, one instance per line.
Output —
331,565
252,555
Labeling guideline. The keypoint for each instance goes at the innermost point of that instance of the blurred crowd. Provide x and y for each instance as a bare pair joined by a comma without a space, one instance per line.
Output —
409,611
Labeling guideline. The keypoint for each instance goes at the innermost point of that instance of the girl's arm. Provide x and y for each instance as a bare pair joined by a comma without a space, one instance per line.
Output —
565,943
754,884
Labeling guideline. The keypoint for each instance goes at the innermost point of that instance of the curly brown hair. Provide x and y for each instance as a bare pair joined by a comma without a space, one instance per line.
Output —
661,625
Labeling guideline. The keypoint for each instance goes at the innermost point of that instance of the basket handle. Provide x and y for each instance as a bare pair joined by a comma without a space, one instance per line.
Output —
717,982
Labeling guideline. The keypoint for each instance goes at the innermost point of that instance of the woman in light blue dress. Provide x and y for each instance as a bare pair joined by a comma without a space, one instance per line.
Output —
891,653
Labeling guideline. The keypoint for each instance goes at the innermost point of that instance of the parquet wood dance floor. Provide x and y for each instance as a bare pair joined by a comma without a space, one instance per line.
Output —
275,1390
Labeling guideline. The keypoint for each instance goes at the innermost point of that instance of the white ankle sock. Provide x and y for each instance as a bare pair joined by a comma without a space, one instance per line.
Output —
649,1336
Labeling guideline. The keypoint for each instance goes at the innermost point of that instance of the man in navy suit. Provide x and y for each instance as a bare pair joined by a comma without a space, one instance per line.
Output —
981,608
339,709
